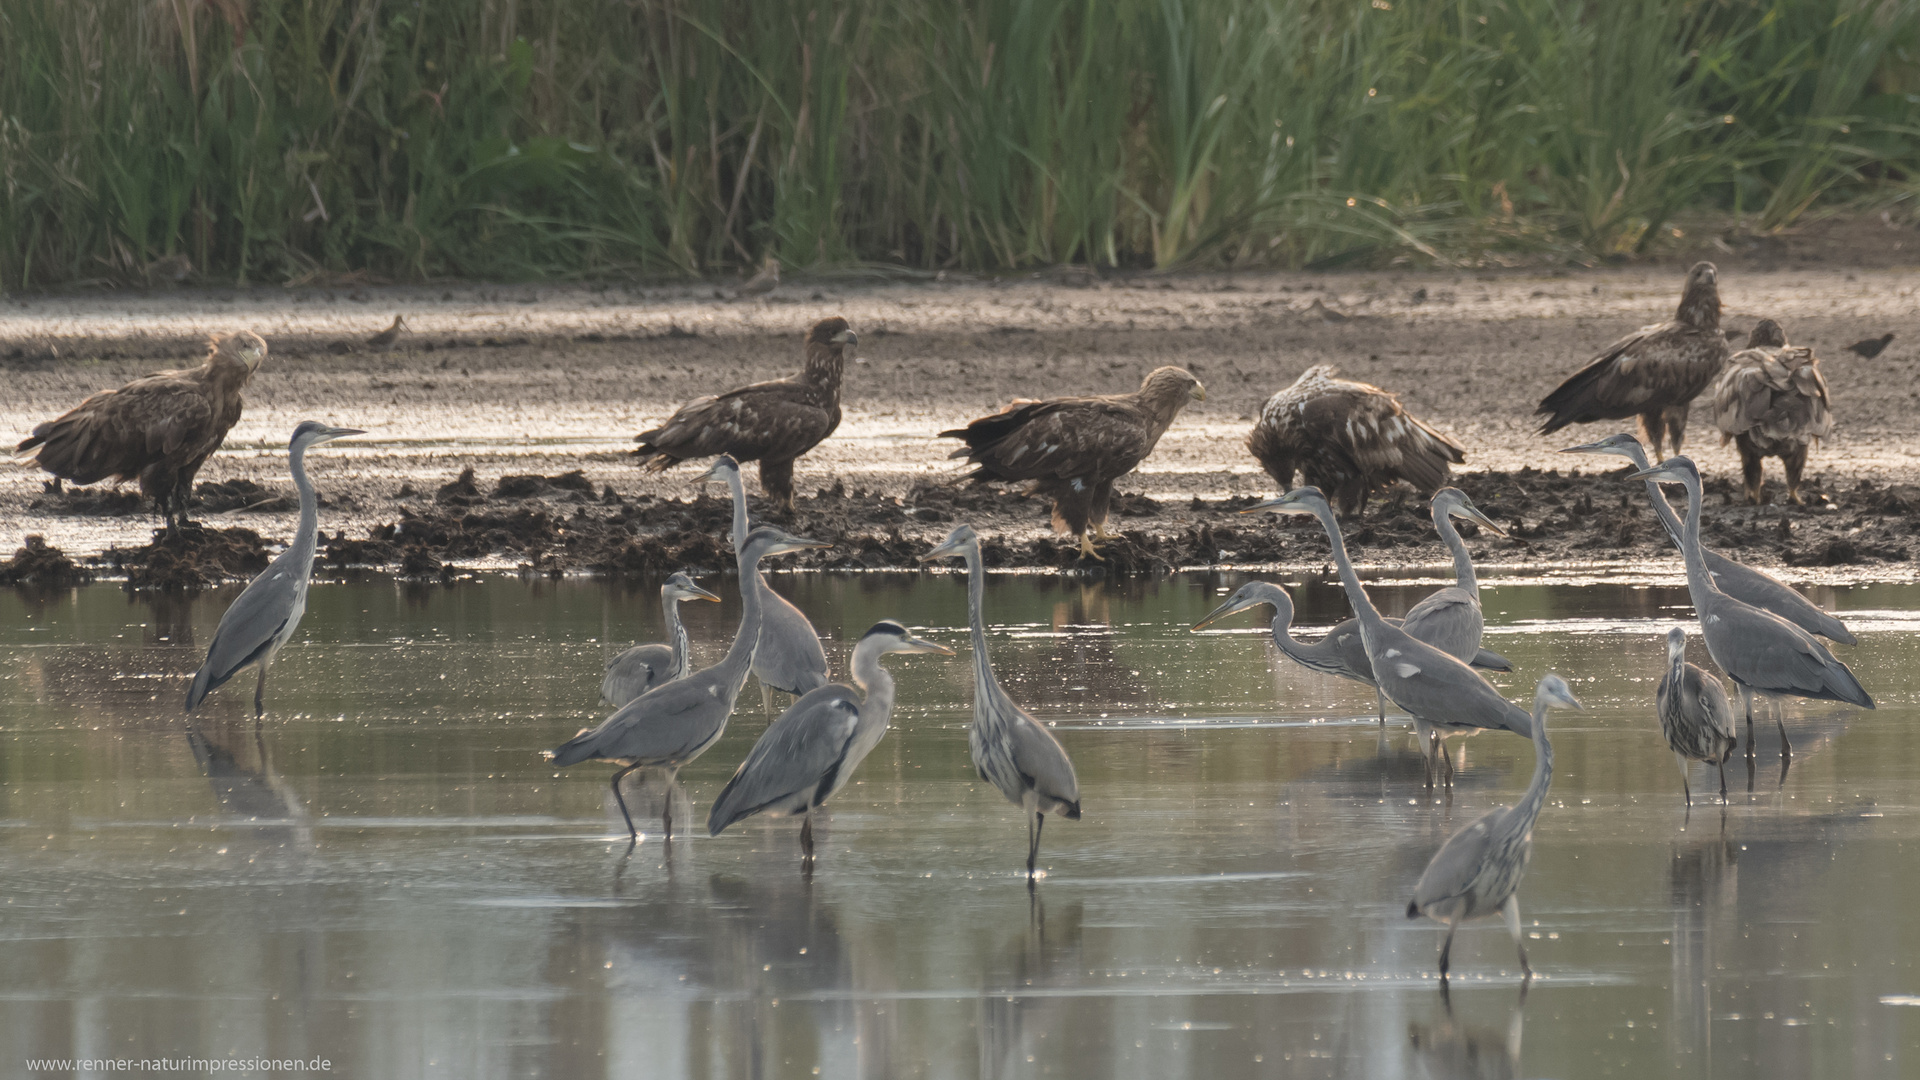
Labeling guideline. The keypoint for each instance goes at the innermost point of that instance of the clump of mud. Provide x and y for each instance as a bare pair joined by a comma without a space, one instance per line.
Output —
243,496
91,502
36,563
191,558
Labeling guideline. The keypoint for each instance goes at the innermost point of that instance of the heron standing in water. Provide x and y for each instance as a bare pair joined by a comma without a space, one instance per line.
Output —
1010,749
809,752
1450,619
1760,651
268,611
644,667
789,657
1477,871
1695,715
676,722
1445,696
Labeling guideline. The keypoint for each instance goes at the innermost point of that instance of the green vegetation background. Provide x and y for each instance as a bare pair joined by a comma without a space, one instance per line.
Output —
287,140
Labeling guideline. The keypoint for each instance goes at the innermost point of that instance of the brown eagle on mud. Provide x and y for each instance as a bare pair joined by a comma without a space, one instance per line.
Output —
1652,373
769,422
158,429
1771,402
1348,438
1073,449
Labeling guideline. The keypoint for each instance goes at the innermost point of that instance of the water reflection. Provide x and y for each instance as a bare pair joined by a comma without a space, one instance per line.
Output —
386,873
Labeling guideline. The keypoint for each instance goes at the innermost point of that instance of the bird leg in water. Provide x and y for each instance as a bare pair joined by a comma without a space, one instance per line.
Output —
1746,701
1034,826
666,821
1779,717
1684,787
806,835
1446,950
1722,766
1380,698
1511,909
633,834
260,693
766,697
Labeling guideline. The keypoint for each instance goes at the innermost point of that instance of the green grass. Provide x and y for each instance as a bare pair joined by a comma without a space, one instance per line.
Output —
274,140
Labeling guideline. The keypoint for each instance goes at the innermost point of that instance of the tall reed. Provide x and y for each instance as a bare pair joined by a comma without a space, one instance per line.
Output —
285,140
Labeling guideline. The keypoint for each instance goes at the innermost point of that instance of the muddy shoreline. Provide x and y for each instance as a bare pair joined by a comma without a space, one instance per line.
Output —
536,391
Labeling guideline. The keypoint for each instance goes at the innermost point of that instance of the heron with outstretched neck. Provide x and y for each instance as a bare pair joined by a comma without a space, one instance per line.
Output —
676,722
789,657
643,667
1760,651
268,611
1445,697
1477,871
810,751
1450,619
1742,582
1010,749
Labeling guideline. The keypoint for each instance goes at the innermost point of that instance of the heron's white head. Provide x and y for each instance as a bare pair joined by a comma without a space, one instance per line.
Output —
1674,470
1554,691
890,637
1455,502
681,587
955,545
1303,500
1621,445
1676,645
1252,594
313,432
722,471
768,540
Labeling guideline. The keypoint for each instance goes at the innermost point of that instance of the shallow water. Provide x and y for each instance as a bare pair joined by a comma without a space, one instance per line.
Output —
386,875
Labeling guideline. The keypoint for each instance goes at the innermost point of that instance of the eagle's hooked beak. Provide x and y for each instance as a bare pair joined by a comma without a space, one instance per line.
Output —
1199,392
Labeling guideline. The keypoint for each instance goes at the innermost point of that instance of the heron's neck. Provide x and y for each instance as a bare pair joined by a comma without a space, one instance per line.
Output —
1661,507
739,658
1699,582
1356,596
1542,766
877,684
677,635
306,537
739,489
976,620
1283,638
1462,562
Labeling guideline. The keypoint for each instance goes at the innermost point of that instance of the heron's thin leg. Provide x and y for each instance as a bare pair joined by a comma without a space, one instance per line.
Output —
1779,718
1746,700
766,696
1034,825
260,694
1684,787
1446,949
1722,766
1380,698
633,834
1445,758
806,835
1512,911
666,819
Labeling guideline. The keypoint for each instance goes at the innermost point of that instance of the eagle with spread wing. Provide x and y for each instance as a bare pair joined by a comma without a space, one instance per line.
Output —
1652,373
770,422
1073,449
1772,402
158,429
1348,439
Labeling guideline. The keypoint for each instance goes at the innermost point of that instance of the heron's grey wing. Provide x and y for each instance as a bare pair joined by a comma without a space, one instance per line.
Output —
1441,690
789,657
1710,700
797,759
1042,760
1769,653
1448,620
635,672
663,724
1451,872
1768,593
262,610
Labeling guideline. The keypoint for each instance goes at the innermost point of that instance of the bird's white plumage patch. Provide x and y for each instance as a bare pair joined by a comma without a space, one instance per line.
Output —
1406,670
1391,653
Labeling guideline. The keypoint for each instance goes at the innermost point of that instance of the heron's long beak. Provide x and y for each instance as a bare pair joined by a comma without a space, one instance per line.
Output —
947,549
796,543
695,592
1472,513
922,645
1570,701
1285,504
339,433
1233,604
1588,448
716,472
1199,392
1658,472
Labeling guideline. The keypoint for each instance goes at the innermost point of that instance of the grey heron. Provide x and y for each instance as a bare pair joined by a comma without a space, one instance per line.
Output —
268,611
676,722
643,667
1010,749
1478,870
1742,582
1340,651
1695,715
1445,696
1450,619
1760,651
810,751
789,658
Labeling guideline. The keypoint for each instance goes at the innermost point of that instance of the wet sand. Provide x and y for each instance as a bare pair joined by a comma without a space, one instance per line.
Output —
538,381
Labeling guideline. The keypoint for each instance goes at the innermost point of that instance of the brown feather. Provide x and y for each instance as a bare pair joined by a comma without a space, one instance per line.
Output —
1772,402
1348,438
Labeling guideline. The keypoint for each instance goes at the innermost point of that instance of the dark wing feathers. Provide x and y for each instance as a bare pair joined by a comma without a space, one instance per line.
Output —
1773,395
801,752
783,418
1655,367
1092,438
1335,430
117,433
